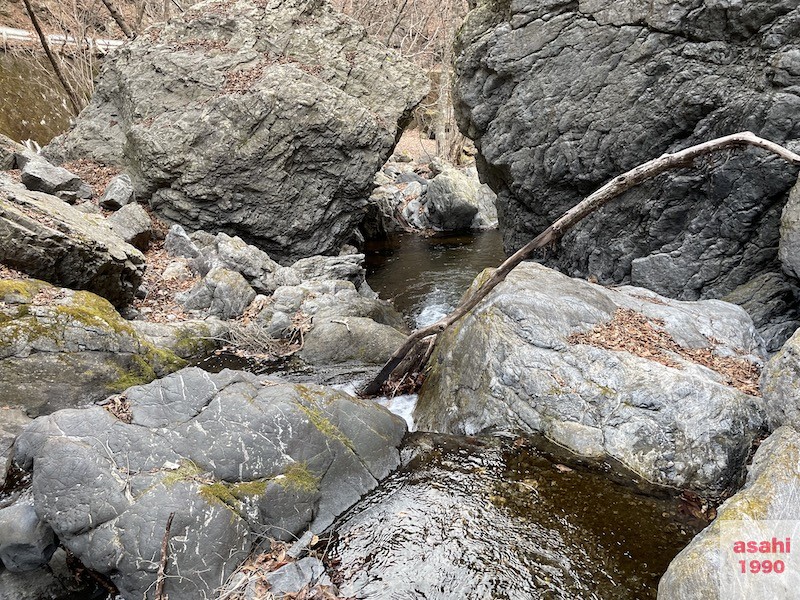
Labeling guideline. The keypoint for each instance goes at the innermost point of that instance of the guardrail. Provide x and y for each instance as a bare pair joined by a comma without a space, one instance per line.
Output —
9,34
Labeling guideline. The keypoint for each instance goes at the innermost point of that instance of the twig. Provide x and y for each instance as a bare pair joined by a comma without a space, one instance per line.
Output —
569,219
162,566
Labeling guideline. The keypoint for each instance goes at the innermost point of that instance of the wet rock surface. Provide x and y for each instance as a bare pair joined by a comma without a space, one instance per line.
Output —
234,456
474,518
533,357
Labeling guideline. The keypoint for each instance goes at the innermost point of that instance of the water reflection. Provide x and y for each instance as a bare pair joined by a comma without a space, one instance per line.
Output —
476,518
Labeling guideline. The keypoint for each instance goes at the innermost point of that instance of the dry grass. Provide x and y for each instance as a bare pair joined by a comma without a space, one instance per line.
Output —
416,145
633,332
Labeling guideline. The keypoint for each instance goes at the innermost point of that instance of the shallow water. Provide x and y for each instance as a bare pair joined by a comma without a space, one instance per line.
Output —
478,518
426,276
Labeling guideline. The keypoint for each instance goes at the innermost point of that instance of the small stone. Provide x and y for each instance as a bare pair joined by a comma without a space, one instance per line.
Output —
134,225
178,243
119,192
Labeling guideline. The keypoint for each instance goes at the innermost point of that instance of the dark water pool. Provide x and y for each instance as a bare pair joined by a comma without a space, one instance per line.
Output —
426,276
484,518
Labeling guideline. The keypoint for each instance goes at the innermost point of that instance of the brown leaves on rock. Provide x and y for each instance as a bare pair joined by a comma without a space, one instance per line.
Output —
251,578
159,304
119,407
633,332
94,173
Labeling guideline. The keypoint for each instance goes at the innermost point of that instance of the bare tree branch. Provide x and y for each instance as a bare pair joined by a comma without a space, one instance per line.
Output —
569,219
52,58
117,16
162,565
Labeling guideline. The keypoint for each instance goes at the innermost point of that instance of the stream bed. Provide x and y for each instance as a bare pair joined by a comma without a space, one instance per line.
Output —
477,518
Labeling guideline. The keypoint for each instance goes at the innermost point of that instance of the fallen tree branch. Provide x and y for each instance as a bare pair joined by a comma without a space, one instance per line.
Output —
569,219
162,566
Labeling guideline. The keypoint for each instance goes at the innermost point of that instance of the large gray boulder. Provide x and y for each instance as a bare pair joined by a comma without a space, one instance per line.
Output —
560,97
234,456
133,225
639,393
46,238
773,301
285,112
222,293
12,422
60,348
789,247
769,498
350,339
456,200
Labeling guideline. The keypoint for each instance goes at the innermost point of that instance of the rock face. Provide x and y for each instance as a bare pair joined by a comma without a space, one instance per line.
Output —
284,113
60,348
234,456
773,302
768,494
781,385
529,359
789,248
562,96
46,238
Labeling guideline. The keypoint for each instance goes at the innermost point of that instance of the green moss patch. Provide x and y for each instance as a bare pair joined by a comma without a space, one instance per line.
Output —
299,478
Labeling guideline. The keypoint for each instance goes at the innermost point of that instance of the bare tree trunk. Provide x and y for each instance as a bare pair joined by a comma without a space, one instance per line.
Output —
117,16
569,219
73,98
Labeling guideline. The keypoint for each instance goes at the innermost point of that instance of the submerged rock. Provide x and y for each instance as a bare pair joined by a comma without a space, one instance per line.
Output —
285,112
61,348
528,359
560,97
234,456
770,494
46,238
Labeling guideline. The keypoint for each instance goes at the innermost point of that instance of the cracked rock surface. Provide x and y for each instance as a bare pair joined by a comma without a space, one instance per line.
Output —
235,456
264,119
513,364
561,96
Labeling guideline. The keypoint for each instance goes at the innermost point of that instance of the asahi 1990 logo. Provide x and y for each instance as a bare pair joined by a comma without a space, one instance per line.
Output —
759,559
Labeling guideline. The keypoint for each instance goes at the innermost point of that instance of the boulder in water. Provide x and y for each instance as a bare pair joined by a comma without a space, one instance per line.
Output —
609,373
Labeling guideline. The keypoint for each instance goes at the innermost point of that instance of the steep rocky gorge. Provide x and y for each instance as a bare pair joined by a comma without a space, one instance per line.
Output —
562,96
576,434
